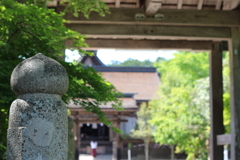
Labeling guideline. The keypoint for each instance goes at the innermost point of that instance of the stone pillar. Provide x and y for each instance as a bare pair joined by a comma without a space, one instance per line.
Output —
38,120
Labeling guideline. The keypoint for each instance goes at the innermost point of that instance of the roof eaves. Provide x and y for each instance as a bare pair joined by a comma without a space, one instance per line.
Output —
124,69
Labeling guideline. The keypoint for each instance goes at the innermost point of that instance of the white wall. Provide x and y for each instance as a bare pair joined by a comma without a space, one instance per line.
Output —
126,127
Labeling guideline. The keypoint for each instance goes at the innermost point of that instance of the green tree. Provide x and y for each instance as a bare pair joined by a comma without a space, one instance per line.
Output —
132,63
181,116
226,94
135,63
30,28
144,129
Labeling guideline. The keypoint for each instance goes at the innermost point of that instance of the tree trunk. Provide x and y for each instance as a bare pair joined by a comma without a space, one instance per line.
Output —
172,152
146,146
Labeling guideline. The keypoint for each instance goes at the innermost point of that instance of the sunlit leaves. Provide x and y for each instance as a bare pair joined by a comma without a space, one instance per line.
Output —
85,7
133,63
181,116
144,129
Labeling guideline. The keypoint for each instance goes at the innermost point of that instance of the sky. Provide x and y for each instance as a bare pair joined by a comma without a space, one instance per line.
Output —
108,55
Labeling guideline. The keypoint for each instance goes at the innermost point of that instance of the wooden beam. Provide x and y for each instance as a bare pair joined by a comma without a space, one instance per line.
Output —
156,32
230,5
52,3
152,6
234,48
216,99
171,17
145,44
223,139
95,44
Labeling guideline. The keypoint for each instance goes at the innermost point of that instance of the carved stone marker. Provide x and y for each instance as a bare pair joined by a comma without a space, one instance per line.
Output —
38,123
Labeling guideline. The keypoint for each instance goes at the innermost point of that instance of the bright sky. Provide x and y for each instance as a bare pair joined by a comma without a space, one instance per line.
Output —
108,55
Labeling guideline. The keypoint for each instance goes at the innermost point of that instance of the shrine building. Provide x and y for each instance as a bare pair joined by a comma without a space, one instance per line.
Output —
137,84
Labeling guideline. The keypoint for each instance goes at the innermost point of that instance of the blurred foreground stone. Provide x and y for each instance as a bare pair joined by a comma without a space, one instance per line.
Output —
38,123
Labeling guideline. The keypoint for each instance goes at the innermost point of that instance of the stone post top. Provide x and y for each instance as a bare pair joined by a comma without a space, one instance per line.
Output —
39,74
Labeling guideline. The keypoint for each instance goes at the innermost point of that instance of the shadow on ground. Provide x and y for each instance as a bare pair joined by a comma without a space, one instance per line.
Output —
99,157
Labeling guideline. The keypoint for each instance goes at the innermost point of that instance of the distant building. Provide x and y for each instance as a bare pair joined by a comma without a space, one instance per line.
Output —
138,85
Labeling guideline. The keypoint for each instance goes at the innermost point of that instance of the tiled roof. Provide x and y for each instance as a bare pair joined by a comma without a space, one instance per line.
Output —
144,84
124,69
139,83
91,61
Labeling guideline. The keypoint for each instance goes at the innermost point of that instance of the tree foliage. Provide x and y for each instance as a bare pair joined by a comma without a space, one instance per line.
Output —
132,63
28,28
85,7
181,116
136,63
226,94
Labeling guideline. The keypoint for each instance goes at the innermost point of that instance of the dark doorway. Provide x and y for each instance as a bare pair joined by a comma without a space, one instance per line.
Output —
99,132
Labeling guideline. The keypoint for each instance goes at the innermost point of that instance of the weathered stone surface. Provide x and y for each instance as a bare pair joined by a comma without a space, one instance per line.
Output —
39,74
38,124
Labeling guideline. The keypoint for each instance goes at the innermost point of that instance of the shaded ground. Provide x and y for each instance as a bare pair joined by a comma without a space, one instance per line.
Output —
99,157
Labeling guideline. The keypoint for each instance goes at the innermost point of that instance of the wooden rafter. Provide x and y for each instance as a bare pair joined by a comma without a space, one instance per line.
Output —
152,6
218,5
200,4
179,4
52,3
230,5
117,3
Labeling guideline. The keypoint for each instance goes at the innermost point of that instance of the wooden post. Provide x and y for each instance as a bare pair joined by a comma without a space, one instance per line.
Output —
76,138
114,149
234,48
118,135
118,141
79,138
216,100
